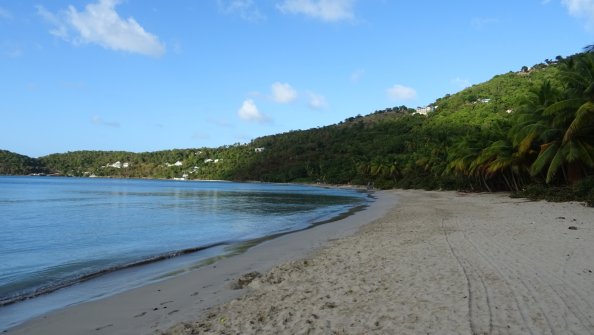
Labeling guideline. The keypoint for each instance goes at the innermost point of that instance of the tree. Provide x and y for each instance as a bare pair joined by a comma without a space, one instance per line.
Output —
567,142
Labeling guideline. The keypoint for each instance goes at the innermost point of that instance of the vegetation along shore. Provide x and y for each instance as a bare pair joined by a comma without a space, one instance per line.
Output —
530,132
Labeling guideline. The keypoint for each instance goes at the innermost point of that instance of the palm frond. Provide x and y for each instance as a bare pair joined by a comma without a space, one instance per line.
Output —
556,163
546,154
568,105
584,117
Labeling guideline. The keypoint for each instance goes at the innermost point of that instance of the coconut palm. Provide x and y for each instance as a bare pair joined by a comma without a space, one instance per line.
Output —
461,157
567,143
502,159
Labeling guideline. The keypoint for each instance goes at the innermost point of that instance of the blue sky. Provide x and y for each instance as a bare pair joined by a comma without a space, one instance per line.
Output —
146,75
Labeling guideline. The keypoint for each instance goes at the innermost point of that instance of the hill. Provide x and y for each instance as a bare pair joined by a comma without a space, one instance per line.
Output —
391,147
14,164
517,130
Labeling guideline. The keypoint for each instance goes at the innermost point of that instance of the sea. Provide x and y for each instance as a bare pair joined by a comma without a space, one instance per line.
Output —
64,241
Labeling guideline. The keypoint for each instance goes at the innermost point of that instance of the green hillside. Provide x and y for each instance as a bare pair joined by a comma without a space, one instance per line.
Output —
14,164
514,132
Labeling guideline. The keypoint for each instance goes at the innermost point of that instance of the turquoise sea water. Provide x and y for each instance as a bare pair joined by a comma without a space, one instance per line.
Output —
55,232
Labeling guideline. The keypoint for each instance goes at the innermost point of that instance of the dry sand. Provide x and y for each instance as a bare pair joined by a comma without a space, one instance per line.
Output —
439,263
429,263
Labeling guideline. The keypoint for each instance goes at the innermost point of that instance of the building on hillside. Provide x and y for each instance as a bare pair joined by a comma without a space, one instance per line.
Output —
424,110
178,163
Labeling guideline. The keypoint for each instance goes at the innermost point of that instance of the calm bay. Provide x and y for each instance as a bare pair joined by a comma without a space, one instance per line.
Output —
56,232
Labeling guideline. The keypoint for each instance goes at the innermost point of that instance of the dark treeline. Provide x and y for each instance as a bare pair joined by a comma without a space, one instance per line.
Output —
529,131
15,164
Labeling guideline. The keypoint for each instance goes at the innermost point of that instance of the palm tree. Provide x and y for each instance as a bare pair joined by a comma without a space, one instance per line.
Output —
567,143
461,157
502,159
384,168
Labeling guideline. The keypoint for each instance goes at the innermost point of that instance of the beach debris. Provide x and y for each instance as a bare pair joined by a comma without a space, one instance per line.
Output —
246,279
329,304
103,327
572,228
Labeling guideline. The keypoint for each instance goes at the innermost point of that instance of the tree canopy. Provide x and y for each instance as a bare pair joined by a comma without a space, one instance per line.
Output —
534,126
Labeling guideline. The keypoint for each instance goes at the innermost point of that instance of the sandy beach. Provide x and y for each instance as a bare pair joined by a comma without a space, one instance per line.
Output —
439,263
415,262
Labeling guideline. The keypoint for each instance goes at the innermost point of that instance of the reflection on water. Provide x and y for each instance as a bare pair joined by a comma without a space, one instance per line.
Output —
55,231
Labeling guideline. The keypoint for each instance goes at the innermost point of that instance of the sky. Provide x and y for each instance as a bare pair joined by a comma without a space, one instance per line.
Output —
147,75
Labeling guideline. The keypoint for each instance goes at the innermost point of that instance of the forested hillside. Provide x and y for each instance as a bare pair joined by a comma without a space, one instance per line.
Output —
515,131
14,164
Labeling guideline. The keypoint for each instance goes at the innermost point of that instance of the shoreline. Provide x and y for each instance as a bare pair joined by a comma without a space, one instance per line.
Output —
11,316
440,263
49,289
214,279
414,262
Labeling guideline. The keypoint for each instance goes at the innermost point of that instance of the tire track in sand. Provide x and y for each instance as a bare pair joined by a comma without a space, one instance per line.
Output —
560,294
480,315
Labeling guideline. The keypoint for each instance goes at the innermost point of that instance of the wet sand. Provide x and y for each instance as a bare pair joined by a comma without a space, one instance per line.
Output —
438,263
427,263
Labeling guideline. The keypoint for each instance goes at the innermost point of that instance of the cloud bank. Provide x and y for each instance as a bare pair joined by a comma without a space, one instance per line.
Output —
325,10
100,24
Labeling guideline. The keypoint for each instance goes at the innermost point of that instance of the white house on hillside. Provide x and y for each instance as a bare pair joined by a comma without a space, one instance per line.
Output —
424,110
178,163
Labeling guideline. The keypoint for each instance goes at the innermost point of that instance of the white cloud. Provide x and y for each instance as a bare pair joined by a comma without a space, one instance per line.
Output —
581,8
400,92
100,24
325,10
249,112
283,93
316,101
60,29
246,9
97,120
